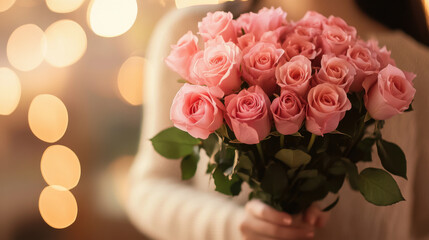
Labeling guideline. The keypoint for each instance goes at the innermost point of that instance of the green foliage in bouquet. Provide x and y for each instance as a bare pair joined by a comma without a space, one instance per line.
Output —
290,172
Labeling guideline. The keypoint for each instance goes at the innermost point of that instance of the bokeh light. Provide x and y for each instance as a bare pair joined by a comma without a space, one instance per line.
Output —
63,6
48,118
130,80
110,18
26,47
10,91
60,166
57,206
66,43
189,3
6,4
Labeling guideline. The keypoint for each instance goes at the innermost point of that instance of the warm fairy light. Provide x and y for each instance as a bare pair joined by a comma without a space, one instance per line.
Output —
66,43
110,18
426,7
26,47
10,91
130,80
57,206
189,3
6,4
48,118
60,166
63,6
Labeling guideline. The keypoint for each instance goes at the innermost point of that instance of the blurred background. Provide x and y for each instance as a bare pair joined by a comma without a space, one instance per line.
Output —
70,112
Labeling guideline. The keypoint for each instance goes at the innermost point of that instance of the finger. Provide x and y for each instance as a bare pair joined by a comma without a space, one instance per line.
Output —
312,214
258,227
267,213
322,219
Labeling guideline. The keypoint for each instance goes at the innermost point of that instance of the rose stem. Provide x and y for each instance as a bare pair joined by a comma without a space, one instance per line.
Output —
261,154
310,144
282,140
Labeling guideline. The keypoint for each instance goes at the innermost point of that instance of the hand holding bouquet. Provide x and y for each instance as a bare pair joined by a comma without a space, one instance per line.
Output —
289,108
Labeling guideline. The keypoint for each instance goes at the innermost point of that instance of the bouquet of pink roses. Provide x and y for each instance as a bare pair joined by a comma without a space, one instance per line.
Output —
289,108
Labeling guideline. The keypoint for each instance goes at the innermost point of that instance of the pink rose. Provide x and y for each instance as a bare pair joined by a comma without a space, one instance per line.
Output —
383,55
248,115
197,111
294,75
242,24
337,71
265,20
288,112
327,105
217,24
182,53
259,64
388,94
217,66
335,40
295,45
339,22
312,19
364,61
246,41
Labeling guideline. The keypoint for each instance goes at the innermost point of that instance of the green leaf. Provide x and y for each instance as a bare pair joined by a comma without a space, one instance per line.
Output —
363,150
340,133
392,158
378,187
189,164
309,173
352,173
332,205
174,143
312,183
293,158
182,81
224,184
210,168
275,180
210,144
225,157
337,168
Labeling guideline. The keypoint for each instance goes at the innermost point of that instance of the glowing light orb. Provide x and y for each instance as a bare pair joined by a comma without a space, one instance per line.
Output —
26,47
111,18
130,80
57,206
10,91
48,118
66,43
6,4
63,6
60,166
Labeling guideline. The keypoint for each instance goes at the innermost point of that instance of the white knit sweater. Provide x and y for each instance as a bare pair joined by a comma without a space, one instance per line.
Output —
164,207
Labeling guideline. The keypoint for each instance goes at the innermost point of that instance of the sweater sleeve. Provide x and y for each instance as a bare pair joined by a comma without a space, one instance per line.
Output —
160,204
414,57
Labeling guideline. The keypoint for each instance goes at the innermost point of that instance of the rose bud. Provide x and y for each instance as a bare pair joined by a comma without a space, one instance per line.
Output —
217,66
248,114
217,24
197,110
327,105
294,75
288,112
337,71
182,53
364,61
259,65
388,94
